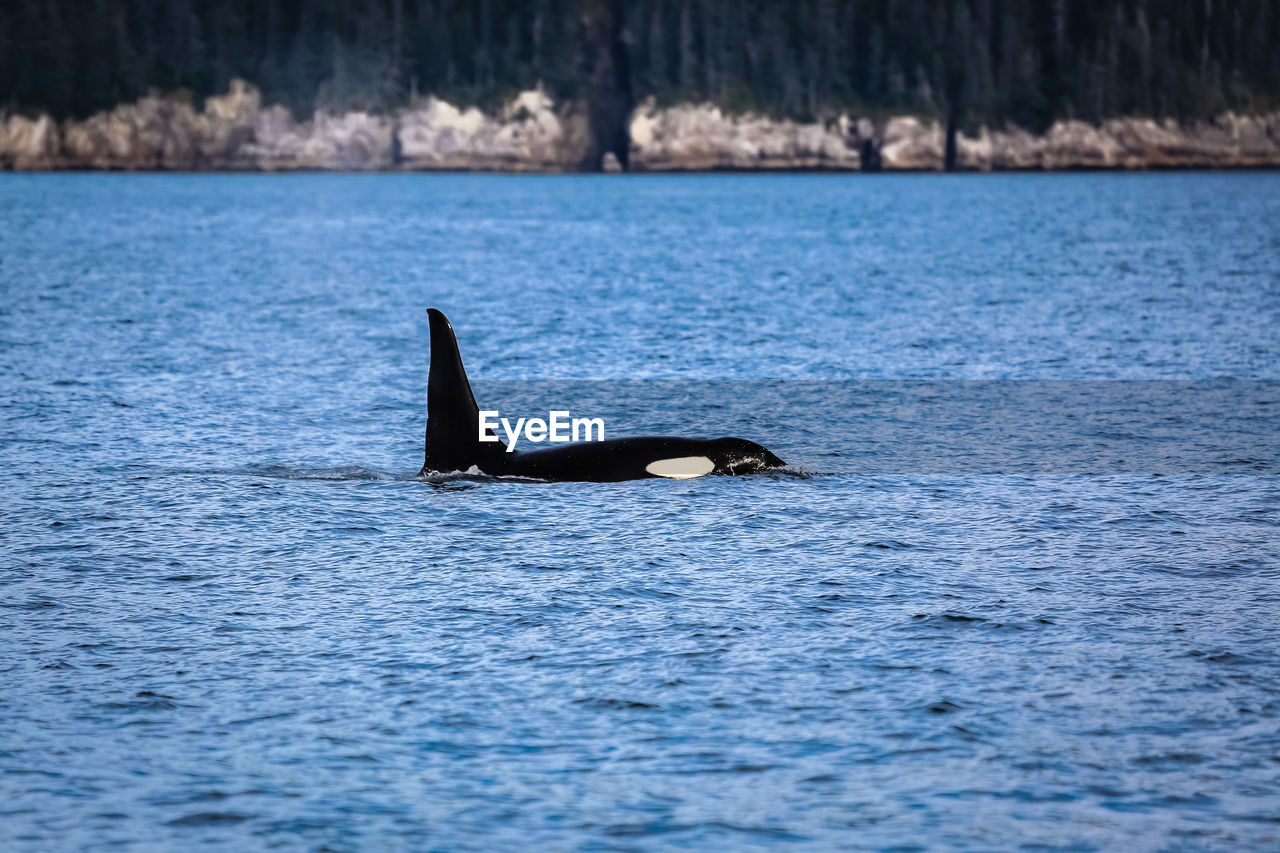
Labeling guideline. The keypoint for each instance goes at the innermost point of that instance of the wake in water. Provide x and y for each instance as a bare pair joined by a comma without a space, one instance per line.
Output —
340,474
360,473
344,473
348,473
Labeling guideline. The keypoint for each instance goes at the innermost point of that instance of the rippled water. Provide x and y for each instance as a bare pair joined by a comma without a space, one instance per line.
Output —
230,615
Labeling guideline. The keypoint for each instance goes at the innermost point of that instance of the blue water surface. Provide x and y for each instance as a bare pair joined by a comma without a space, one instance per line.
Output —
231,616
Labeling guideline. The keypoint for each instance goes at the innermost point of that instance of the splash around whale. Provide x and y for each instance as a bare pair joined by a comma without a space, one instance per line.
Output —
454,446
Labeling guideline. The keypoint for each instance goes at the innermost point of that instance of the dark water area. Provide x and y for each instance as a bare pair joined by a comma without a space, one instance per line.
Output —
1018,586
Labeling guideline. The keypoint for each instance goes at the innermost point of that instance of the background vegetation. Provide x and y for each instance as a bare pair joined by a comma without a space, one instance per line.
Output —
973,60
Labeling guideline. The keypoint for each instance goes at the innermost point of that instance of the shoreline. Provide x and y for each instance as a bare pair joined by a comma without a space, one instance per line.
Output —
635,173
235,133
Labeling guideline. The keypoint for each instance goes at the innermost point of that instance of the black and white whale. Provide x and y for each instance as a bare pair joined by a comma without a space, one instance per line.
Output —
454,445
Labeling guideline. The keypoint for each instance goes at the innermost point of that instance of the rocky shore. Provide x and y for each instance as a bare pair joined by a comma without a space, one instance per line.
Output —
236,132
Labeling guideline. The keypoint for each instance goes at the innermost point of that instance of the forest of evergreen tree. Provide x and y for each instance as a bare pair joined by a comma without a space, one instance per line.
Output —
1028,61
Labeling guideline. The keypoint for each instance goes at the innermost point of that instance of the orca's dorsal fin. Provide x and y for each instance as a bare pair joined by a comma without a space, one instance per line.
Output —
453,418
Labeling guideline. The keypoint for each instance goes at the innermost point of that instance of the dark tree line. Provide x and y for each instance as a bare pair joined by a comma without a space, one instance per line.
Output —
972,60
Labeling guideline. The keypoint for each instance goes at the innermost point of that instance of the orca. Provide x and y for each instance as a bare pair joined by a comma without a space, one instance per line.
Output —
453,439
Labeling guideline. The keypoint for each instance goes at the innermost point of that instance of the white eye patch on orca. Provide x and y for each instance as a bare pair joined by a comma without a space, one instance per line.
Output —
681,468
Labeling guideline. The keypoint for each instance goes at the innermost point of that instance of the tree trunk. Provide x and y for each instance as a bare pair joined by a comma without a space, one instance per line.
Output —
949,152
608,90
